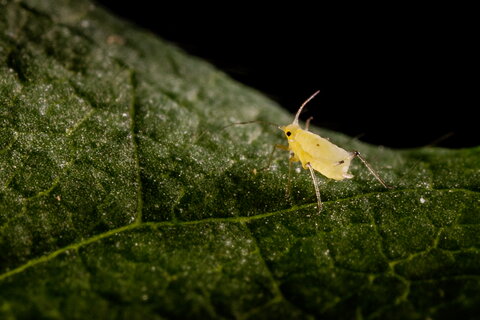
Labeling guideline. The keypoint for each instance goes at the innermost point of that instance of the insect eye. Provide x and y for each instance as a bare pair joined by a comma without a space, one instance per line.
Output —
288,133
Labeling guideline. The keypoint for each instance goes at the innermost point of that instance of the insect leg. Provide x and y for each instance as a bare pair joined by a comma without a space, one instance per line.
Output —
282,147
307,123
289,182
356,154
270,158
317,189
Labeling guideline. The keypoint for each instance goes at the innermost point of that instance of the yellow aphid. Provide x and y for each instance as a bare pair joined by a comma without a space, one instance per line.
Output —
317,153
322,155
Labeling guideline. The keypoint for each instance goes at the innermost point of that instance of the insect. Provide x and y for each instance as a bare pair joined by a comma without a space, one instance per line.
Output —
318,154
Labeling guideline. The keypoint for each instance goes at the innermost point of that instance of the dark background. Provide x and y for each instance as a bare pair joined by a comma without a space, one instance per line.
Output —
395,76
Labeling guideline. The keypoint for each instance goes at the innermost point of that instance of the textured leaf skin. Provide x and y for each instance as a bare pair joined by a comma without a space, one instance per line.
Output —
120,197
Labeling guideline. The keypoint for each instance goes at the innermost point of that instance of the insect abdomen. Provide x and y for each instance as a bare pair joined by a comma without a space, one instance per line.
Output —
325,157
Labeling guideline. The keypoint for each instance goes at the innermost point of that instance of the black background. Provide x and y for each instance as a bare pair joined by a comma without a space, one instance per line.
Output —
394,75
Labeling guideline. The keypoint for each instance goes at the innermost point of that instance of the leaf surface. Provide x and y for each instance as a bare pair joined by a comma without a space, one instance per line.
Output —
122,193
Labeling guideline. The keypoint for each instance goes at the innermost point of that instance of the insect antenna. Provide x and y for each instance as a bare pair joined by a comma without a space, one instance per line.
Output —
307,123
248,122
234,124
295,121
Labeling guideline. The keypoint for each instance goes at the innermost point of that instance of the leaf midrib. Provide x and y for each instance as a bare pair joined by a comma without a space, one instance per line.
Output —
138,224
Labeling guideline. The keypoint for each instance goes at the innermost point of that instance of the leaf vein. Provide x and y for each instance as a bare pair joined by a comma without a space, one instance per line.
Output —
279,296
76,246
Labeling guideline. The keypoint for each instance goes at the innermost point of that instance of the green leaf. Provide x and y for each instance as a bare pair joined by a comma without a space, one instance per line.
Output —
121,196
